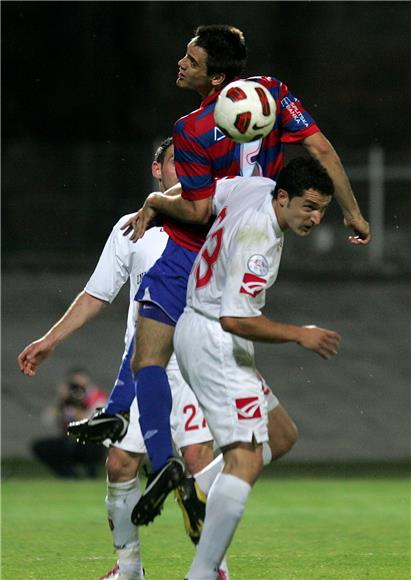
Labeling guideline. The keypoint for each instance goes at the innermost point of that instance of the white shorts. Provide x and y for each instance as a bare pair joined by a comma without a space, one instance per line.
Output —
270,398
188,425
220,368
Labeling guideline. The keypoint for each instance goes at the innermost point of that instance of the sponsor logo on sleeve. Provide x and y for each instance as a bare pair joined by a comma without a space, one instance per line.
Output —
252,285
294,111
248,408
258,264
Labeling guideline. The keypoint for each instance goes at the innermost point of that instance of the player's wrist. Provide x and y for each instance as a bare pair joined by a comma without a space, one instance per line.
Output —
153,202
352,214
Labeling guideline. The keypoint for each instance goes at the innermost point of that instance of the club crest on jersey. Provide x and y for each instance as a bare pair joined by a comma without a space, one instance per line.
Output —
252,285
248,408
258,264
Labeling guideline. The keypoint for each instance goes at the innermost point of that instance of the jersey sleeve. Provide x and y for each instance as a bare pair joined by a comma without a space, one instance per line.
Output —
113,268
193,166
248,274
296,123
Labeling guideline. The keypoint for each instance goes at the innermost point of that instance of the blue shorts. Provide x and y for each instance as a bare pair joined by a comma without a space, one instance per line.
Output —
165,284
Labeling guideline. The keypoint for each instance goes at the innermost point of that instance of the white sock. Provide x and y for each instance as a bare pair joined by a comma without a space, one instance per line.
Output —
224,567
120,501
206,477
225,506
267,454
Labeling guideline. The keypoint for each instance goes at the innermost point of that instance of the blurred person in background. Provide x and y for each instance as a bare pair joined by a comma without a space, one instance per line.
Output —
76,398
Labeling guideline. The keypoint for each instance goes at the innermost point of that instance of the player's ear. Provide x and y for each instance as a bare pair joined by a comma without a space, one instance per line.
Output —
282,197
217,80
156,170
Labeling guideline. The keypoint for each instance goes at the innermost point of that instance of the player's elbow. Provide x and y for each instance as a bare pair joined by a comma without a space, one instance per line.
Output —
230,324
319,146
202,212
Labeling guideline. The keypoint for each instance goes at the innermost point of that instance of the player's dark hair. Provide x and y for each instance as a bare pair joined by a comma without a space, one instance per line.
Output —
161,150
77,371
304,173
225,48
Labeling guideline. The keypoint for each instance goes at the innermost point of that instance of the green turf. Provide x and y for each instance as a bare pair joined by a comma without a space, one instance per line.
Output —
292,529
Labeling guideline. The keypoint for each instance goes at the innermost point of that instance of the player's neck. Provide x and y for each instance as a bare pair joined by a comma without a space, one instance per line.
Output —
206,92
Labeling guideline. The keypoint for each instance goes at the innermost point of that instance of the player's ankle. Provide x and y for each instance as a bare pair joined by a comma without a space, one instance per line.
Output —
129,561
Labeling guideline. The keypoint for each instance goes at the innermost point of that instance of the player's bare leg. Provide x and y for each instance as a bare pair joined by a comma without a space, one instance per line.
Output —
197,456
282,433
122,481
123,492
153,344
152,352
225,506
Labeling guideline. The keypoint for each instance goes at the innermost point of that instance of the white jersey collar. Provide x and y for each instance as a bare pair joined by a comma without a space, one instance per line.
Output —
270,210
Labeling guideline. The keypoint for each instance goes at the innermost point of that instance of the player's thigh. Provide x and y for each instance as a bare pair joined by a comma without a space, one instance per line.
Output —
153,344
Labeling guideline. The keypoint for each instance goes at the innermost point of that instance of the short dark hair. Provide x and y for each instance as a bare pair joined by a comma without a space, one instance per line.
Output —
225,47
161,150
304,173
71,372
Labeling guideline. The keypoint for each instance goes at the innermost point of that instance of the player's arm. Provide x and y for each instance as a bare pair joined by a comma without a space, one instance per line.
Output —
84,308
172,204
261,329
192,211
321,149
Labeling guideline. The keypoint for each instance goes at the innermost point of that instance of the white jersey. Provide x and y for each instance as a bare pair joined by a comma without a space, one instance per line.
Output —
123,260
241,255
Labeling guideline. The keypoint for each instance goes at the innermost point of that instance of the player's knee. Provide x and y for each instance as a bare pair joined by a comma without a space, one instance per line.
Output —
284,439
120,465
244,461
197,456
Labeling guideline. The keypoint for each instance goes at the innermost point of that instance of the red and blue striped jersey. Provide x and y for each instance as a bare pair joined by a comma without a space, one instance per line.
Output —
202,153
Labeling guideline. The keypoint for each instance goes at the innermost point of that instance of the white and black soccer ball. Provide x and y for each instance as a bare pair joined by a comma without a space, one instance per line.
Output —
245,111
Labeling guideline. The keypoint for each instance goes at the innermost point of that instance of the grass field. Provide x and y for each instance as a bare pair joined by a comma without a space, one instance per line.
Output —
293,528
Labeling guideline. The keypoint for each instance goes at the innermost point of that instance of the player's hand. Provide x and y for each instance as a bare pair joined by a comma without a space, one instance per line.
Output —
33,355
324,342
136,226
361,230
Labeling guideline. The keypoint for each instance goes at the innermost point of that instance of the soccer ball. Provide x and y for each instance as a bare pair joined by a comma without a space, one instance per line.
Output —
245,111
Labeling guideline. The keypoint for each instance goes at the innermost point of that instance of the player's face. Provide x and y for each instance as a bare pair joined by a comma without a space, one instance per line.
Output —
192,70
168,170
302,213
165,172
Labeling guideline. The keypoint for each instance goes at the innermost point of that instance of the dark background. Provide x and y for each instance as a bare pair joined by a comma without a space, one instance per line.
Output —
89,89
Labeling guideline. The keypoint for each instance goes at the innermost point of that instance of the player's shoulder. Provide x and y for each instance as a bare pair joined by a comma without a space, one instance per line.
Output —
151,236
274,85
187,121
267,81
240,193
244,182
